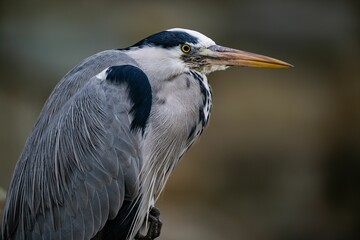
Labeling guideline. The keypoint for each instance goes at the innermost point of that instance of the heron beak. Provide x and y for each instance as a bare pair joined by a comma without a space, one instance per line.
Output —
232,57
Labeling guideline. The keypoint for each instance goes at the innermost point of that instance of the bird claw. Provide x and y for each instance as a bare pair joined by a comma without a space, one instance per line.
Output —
154,226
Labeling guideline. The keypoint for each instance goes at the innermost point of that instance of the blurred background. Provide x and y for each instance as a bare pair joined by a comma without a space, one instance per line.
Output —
281,157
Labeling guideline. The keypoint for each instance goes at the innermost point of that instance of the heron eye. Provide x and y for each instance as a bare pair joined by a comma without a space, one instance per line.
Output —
185,48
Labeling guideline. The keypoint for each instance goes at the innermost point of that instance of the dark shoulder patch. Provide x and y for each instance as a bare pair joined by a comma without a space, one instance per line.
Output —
167,39
139,90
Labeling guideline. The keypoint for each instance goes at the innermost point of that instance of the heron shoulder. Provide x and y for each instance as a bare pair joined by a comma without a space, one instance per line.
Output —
138,90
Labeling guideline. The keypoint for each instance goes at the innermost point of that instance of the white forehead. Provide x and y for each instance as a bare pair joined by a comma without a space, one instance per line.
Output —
204,41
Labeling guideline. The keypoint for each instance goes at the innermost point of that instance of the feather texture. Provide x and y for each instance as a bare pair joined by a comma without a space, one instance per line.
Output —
80,162
106,142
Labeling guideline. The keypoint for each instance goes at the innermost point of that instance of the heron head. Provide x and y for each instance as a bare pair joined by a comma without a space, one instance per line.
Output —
181,49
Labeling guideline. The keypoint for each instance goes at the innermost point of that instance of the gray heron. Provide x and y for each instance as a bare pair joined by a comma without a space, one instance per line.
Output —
109,136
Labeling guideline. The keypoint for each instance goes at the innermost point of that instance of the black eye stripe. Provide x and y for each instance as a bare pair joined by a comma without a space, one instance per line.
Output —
167,39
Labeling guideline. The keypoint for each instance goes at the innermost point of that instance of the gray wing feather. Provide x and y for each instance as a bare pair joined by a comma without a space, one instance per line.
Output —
80,162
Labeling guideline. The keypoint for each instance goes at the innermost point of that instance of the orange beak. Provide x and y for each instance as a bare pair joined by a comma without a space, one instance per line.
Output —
218,55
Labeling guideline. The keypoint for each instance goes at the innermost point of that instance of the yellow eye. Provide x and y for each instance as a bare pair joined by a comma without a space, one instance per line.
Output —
185,48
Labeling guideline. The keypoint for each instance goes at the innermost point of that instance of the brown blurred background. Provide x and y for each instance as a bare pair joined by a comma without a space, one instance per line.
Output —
281,157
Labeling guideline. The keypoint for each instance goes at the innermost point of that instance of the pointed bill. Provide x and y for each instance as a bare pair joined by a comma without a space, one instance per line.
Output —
232,57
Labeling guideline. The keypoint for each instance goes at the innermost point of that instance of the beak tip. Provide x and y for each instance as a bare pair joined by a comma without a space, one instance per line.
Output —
281,64
289,65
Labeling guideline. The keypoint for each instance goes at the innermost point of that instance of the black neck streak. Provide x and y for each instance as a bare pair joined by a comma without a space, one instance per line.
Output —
206,96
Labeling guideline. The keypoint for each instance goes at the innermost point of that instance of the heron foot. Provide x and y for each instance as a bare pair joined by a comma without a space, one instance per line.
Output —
154,226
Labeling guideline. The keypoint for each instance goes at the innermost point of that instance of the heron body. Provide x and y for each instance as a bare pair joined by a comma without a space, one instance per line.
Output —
110,135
